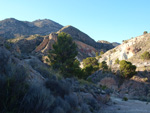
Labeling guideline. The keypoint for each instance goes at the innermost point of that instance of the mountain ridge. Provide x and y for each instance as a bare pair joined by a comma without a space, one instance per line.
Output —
11,27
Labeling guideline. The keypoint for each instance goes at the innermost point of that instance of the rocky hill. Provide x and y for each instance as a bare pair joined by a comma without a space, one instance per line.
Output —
130,50
84,50
11,28
41,44
76,34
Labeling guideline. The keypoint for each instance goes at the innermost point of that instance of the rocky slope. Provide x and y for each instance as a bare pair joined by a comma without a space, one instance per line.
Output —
45,90
129,50
11,28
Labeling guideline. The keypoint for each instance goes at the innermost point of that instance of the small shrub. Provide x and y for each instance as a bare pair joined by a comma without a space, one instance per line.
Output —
99,57
117,61
90,66
89,79
13,89
84,82
125,41
145,55
125,99
60,102
127,69
90,61
72,99
58,87
88,70
104,87
7,46
85,108
145,32
96,54
103,65
114,50
44,71
37,100
102,52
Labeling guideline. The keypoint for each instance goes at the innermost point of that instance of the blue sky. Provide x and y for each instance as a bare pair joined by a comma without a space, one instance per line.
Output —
111,20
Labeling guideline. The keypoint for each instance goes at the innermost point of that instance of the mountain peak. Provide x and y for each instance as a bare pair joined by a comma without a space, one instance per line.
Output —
9,19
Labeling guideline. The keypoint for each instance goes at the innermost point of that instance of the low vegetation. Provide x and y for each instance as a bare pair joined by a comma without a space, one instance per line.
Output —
102,52
145,55
125,99
96,54
13,88
145,32
103,65
127,69
117,61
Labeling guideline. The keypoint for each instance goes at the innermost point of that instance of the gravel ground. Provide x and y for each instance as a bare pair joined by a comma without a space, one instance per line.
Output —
130,106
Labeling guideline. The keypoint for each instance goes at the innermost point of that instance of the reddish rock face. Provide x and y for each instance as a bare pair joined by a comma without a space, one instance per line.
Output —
83,49
47,43
42,45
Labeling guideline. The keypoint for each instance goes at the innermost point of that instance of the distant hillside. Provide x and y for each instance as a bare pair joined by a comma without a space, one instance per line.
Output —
115,44
129,50
11,28
106,42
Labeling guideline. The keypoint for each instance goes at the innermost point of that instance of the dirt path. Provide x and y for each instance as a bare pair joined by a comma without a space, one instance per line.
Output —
130,106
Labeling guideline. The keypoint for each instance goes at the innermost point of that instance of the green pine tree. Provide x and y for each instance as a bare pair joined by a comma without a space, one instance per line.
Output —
63,55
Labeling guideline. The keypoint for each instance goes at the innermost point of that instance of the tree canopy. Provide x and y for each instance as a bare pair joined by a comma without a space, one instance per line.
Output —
63,55
90,61
127,69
